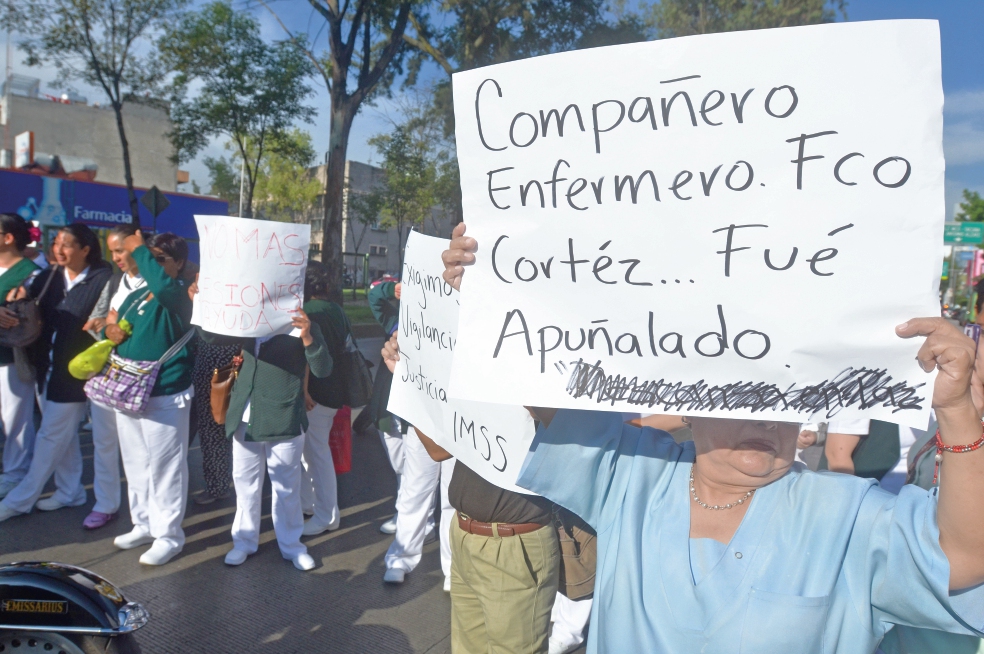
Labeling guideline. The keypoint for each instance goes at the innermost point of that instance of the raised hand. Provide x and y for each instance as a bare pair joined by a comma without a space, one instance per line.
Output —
460,253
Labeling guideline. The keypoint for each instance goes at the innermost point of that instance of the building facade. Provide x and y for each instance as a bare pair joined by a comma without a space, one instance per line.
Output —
382,245
74,128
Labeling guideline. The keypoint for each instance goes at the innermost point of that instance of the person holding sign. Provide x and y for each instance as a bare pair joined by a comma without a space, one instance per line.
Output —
266,421
700,544
505,557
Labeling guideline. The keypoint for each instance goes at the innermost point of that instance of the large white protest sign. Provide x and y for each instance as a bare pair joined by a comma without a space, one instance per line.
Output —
252,275
728,224
490,439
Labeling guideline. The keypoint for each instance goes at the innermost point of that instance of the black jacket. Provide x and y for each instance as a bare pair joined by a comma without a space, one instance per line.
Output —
62,336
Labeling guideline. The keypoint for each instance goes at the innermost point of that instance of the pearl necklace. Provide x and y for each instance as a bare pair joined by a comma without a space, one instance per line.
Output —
716,507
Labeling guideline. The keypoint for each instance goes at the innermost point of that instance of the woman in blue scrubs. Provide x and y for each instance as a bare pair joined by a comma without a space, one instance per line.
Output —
722,545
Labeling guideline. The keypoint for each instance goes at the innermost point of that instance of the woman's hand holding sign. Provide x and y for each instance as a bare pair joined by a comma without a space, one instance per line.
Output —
460,253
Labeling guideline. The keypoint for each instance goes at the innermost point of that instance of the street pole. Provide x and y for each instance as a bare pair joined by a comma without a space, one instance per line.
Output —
242,180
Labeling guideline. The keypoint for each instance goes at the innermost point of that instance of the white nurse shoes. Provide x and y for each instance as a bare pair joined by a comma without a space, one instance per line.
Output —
51,504
313,527
135,538
236,557
159,553
6,512
303,562
394,575
389,527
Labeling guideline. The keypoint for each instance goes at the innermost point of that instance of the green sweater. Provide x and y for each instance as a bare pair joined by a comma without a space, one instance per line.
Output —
158,324
10,280
329,391
384,305
273,383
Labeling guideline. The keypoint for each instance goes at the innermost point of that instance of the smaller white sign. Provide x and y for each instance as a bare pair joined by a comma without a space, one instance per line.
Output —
491,439
23,149
252,275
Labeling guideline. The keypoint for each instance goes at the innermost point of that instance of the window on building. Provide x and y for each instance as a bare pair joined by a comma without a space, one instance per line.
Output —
377,250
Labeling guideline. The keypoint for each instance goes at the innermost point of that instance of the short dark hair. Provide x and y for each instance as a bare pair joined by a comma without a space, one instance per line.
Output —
170,244
85,237
124,230
316,281
16,226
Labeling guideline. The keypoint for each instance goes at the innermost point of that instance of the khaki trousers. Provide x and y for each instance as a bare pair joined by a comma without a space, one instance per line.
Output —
502,591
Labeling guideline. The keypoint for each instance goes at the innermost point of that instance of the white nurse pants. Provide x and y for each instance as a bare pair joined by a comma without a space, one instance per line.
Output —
447,515
56,450
570,618
154,445
415,506
105,458
17,415
250,462
319,490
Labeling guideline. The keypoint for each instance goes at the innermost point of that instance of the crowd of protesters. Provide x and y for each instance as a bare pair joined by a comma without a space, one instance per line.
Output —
668,533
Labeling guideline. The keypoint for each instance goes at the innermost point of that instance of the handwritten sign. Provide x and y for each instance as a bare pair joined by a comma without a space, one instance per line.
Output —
252,275
728,224
490,439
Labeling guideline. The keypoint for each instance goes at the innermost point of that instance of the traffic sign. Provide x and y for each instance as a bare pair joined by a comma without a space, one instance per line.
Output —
966,232
156,202
963,256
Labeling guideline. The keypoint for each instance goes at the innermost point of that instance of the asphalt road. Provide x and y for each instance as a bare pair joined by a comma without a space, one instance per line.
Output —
198,604
201,606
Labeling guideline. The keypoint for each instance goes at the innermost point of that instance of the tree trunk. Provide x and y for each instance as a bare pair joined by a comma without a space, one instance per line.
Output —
127,173
342,114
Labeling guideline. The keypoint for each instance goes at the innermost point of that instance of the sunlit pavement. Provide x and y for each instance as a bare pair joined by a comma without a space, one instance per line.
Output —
200,605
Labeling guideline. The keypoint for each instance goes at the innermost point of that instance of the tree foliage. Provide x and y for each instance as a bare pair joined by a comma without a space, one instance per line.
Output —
365,52
103,43
247,89
285,187
670,18
363,210
408,192
972,207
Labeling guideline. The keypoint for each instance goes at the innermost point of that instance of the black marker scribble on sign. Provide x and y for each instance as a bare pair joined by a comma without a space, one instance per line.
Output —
853,387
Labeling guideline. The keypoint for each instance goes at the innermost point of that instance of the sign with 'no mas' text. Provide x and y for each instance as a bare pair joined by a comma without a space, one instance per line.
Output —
491,439
727,224
252,275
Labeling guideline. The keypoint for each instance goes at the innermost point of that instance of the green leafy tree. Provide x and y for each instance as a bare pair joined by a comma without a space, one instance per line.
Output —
286,188
363,210
365,51
248,90
223,181
107,44
670,18
408,194
972,208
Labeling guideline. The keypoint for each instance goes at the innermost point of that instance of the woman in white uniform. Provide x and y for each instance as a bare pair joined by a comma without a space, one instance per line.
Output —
105,439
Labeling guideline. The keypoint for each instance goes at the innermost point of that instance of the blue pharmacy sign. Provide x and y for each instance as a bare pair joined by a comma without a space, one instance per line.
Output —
53,202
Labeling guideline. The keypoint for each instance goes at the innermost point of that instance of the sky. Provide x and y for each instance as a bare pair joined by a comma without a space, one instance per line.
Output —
963,85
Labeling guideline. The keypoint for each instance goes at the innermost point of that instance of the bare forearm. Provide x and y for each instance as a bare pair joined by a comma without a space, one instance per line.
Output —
435,451
839,450
961,498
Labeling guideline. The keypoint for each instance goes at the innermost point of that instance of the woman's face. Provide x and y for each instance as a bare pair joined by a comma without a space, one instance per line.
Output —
120,256
170,265
746,452
68,253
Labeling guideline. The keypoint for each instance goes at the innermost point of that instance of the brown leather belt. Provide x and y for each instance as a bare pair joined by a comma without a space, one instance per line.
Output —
492,529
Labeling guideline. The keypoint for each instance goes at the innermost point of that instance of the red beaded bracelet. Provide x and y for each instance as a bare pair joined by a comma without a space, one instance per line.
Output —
956,449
